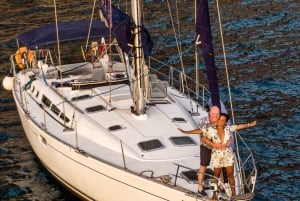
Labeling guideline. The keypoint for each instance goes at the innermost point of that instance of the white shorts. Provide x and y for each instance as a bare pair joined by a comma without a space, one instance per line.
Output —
222,158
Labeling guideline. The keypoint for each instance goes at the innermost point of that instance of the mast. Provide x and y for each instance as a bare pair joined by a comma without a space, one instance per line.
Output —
134,39
138,78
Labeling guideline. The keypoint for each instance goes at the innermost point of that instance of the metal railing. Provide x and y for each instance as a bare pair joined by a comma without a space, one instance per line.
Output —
247,166
177,79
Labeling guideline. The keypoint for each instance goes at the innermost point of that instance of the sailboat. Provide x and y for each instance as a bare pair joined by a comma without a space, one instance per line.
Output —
107,127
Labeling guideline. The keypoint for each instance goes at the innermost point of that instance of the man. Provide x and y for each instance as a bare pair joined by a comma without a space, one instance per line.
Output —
206,145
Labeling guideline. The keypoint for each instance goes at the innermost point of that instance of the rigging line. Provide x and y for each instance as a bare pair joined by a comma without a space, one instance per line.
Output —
225,62
142,14
90,27
110,24
74,112
110,49
82,65
58,50
171,60
178,48
179,33
96,94
228,86
175,35
57,35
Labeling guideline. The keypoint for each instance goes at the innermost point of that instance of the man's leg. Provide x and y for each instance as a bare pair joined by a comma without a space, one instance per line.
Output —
205,155
200,174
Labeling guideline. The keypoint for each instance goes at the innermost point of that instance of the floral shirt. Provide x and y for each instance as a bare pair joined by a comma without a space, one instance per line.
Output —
222,157
207,128
213,136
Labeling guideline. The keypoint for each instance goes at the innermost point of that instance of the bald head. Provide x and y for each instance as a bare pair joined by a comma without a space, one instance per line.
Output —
214,114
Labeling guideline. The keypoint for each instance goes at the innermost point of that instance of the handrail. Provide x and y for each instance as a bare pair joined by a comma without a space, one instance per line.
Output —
247,166
175,79
39,54
220,182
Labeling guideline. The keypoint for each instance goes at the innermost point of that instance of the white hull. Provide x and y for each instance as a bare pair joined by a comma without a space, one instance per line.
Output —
84,173
91,178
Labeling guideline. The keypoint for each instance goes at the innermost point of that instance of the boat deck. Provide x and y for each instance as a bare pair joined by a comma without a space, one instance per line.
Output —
100,124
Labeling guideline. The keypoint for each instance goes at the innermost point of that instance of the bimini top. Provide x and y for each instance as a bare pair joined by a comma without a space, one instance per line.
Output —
68,31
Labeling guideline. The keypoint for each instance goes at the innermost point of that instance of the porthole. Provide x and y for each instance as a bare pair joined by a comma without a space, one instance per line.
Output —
64,117
55,109
46,101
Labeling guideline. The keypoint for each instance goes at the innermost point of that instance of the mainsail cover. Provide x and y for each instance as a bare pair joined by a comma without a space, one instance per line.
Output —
68,31
204,41
122,26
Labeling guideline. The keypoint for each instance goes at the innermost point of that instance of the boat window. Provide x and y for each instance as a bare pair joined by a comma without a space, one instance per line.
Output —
86,96
64,117
33,88
114,128
182,141
37,94
150,145
179,119
158,89
42,140
45,100
55,109
95,108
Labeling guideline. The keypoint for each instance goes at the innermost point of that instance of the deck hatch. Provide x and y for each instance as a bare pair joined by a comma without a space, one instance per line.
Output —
114,128
151,145
95,108
182,141
190,176
77,98
179,120
156,102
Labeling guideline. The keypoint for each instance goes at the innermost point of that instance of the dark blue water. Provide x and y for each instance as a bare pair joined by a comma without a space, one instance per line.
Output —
262,41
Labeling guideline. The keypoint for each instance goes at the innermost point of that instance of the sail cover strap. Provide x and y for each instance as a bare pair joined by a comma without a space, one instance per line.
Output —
122,26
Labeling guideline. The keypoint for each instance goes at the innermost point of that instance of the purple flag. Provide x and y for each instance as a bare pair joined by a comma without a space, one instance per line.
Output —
204,42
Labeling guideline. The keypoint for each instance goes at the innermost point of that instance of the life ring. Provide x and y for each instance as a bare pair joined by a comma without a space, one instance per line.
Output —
23,53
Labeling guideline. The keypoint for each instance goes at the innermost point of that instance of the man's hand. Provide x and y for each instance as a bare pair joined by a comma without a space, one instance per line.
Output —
227,144
219,146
